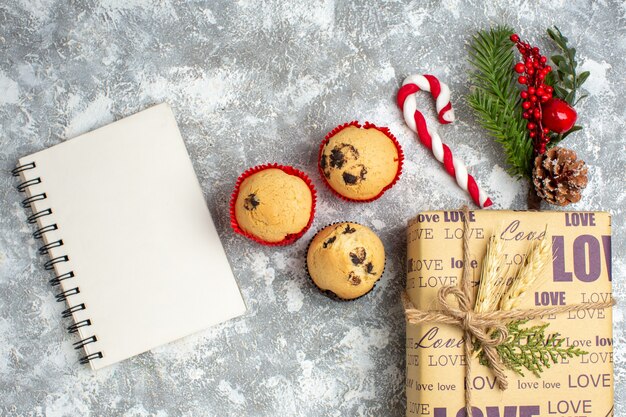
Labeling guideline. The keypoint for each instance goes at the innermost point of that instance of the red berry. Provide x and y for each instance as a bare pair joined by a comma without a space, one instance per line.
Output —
522,79
546,130
543,59
541,76
519,67
533,98
533,134
540,91
531,126
536,114
523,94
558,115
526,105
545,98
514,38
525,115
549,90
531,90
535,50
530,71
548,68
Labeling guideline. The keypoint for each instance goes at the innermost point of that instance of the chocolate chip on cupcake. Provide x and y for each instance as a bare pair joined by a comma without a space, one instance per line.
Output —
359,163
273,204
346,259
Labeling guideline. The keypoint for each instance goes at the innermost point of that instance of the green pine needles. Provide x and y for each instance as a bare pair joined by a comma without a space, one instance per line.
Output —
565,81
495,99
530,349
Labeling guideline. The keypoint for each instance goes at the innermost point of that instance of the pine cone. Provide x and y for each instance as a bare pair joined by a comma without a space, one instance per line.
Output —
559,176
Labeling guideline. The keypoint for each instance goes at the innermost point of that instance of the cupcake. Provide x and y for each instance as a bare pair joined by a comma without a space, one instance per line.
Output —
359,163
272,204
346,259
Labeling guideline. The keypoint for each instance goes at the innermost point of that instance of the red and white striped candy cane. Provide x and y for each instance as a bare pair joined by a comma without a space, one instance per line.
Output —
416,122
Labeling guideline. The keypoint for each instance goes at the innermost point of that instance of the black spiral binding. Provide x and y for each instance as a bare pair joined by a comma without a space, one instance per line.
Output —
28,201
40,232
70,311
36,217
24,185
45,249
74,327
86,359
62,296
57,280
86,341
16,171
49,265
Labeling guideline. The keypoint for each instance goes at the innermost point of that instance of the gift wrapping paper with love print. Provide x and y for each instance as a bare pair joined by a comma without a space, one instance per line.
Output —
580,272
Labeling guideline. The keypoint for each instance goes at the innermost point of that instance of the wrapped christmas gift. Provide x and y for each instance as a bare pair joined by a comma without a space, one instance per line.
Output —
539,325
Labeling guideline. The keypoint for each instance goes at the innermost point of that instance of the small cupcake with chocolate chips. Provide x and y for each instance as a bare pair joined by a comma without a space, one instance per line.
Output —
359,163
272,204
346,259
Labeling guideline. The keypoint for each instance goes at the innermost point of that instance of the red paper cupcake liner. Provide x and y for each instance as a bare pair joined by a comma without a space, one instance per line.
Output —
328,293
367,125
289,239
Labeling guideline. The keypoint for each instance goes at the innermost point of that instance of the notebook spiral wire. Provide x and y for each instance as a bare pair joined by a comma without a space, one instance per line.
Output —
49,265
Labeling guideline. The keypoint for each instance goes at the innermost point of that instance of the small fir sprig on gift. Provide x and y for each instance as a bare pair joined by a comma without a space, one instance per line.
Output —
529,348
525,348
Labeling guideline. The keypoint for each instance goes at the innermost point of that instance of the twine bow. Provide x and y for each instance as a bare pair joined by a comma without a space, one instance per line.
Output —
487,329
475,326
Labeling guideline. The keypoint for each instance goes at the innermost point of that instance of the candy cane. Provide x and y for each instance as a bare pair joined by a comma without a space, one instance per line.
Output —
416,122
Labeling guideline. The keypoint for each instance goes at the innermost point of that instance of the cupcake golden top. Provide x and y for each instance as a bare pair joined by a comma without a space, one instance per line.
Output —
360,163
272,204
346,259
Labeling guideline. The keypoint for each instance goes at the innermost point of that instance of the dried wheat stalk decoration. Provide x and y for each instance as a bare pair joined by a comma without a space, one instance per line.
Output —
492,281
530,273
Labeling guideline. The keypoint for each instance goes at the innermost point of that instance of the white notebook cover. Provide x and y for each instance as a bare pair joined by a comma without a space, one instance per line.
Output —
139,238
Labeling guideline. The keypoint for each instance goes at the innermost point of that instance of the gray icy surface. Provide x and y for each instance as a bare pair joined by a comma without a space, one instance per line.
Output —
254,82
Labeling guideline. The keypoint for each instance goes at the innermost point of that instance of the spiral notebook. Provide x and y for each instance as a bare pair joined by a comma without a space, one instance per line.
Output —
135,254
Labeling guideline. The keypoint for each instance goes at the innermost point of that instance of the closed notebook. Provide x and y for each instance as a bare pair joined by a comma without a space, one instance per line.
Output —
135,255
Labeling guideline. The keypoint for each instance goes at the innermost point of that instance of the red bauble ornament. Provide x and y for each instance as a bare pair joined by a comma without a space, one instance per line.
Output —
558,115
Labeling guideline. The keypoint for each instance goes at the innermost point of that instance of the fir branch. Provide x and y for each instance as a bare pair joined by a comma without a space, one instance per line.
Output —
530,349
564,79
495,99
